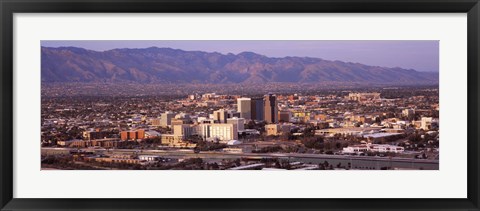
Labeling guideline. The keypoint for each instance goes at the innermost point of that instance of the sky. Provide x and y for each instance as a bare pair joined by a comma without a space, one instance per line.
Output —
420,55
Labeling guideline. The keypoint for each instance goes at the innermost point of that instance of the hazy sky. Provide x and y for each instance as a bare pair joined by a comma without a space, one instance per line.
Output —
421,55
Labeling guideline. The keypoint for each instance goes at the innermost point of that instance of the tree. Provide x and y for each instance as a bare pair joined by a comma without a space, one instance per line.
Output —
313,142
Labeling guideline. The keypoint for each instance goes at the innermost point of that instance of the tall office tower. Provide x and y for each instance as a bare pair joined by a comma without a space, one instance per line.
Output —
220,116
244,107
257,107
271,115
166,119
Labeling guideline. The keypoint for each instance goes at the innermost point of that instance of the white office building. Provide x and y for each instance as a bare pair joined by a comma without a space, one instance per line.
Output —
221,132
244,107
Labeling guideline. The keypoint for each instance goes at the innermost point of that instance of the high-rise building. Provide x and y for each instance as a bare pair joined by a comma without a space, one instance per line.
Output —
257,107
244,107
271,109
166,119
238,122
220,116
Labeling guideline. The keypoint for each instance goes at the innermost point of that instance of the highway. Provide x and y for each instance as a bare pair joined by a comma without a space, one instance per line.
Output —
357,162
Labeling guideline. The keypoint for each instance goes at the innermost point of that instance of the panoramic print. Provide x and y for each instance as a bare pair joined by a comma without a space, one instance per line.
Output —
239,105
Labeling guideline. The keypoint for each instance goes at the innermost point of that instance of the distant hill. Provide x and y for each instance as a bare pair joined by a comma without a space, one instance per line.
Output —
166,65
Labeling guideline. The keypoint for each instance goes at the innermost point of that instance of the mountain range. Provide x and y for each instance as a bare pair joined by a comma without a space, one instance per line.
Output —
166,65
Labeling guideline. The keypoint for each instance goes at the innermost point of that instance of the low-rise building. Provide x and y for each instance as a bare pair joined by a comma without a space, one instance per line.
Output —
429,123
156,122
90,135
220,116
152,134
114,160
132,135
354,131
78,143
175,141
284,116
149,157
272,129
362,148
362,97
67,143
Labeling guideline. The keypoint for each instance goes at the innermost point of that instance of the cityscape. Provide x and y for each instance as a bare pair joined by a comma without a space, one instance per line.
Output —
170,109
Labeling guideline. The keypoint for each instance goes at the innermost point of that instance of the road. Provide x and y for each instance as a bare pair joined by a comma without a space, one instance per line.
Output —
357,162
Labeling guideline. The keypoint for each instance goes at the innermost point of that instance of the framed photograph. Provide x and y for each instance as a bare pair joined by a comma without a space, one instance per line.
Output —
258,105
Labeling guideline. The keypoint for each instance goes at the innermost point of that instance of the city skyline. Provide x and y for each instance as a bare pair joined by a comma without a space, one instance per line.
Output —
209,131
168,109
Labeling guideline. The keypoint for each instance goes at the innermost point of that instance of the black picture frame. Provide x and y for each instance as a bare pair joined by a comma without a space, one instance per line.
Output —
10,7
